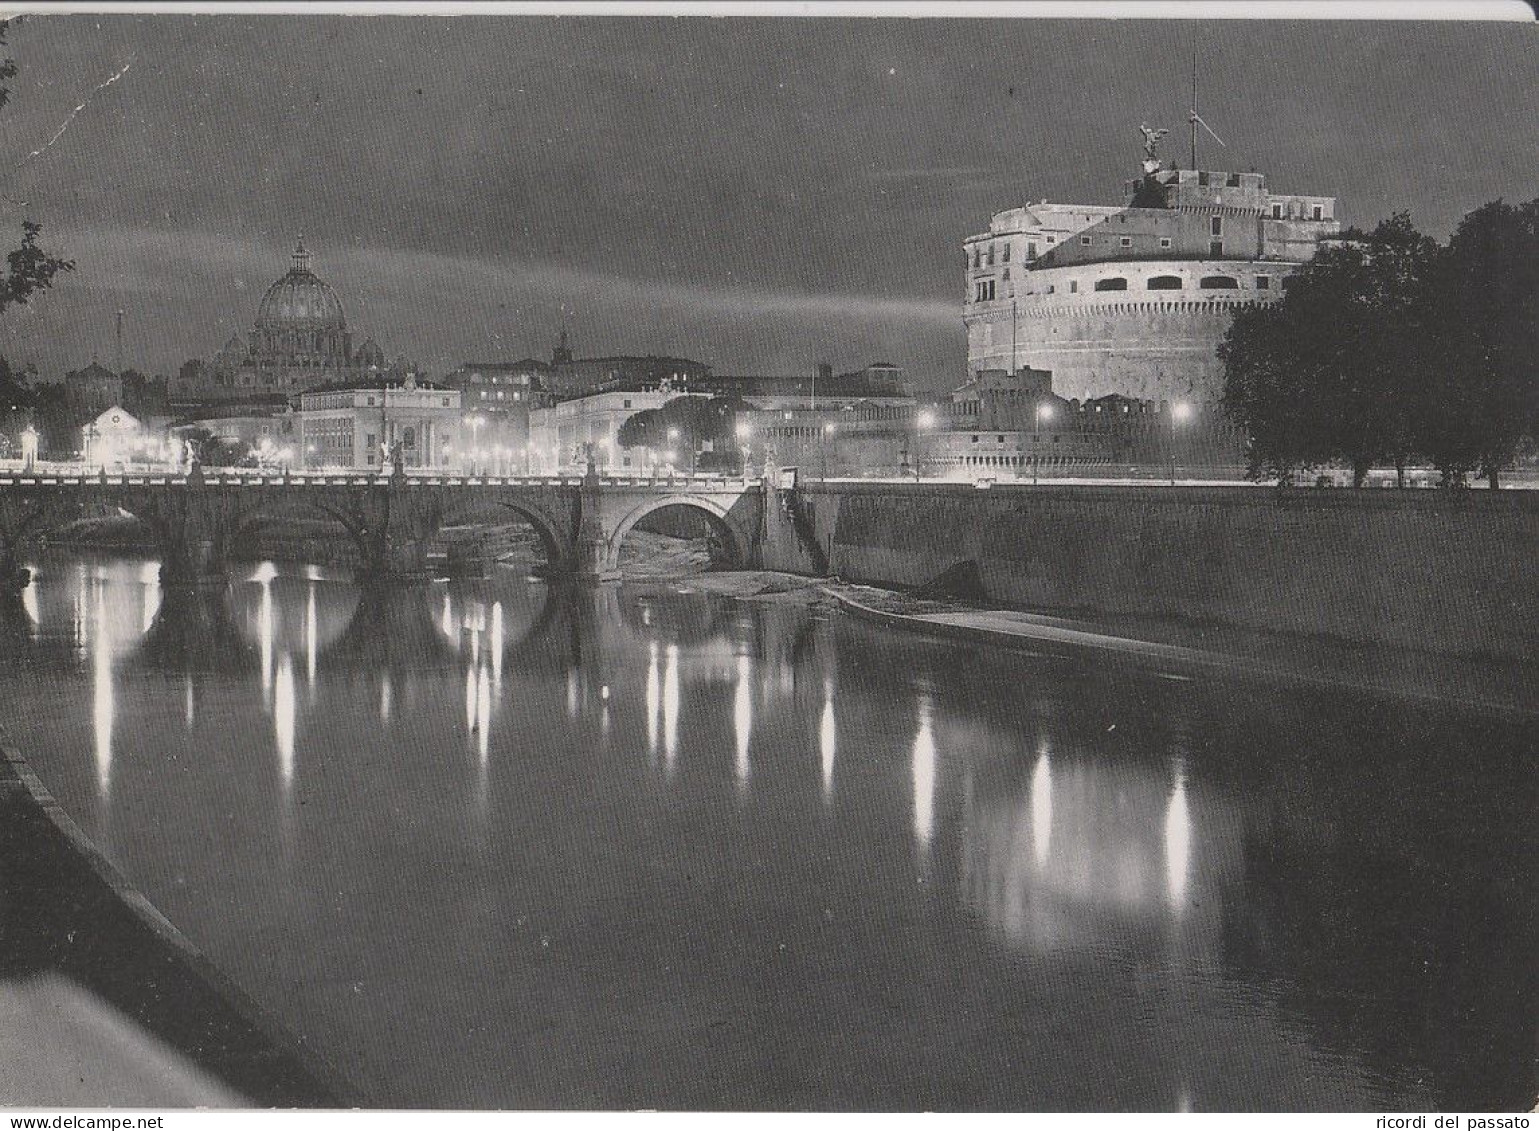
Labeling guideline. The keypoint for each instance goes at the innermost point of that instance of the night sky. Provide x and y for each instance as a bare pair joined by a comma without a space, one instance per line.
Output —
755,193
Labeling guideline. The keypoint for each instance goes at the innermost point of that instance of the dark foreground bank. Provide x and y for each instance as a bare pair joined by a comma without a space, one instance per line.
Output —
73,923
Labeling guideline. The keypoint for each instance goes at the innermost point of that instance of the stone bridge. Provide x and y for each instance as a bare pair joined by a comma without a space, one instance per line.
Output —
196,519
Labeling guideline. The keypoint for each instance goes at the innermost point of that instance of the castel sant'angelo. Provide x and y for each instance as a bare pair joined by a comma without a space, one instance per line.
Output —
1134,300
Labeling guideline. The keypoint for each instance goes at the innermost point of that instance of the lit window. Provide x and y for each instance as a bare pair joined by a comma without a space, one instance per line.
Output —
1084,241
1125,241
1164,241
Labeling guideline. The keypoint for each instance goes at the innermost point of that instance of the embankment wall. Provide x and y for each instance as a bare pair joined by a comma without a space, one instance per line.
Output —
1455,572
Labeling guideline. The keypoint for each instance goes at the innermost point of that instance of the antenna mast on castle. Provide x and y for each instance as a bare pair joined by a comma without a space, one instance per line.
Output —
1196,119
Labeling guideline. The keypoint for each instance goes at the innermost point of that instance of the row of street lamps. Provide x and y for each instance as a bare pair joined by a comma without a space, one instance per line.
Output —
267,453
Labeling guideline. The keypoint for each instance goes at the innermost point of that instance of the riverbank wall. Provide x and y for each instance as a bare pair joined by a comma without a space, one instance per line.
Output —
1451,572
68,911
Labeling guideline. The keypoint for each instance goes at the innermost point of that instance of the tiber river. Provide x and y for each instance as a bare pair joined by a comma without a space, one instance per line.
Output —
493,844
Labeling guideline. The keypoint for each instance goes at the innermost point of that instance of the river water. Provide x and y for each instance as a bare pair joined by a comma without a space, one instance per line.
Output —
495,844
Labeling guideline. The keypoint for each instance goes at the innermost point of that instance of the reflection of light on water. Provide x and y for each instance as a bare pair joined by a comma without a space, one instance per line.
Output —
1184,1098
264,572
571,693
189,703
78,628
470,699
827,739
310,645
447,621
483,714
654,699
29,603
495,644
386,697
283,718
924,775
671,706
266,628
1178,844
102,705
742,718
1042,808
149,575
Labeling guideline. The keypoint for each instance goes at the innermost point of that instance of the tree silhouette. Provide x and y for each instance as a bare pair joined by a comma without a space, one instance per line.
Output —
1334,369
705,424
1482,303
29,268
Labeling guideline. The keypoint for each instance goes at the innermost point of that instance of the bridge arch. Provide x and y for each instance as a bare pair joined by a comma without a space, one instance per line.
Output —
716,515
547,527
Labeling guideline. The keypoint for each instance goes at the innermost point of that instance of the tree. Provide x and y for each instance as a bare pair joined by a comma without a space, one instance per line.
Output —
16,396
54,421
1330,371
705,425
29,268
1482,298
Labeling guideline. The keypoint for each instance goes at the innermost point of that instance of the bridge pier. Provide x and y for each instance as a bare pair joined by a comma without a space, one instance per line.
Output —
195,526
393,531
398,562
592,562
194,562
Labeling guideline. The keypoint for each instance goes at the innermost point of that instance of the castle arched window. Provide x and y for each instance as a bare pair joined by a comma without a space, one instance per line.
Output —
1164,283
1118,284
1219,283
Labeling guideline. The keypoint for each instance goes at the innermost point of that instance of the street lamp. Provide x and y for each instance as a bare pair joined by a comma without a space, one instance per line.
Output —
1178,413
473,422
924,420
1044,411
744,432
